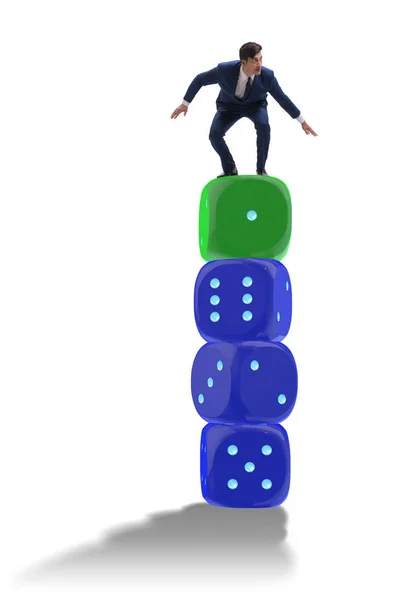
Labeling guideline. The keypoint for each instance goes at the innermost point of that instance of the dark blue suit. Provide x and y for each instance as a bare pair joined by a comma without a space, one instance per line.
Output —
230,109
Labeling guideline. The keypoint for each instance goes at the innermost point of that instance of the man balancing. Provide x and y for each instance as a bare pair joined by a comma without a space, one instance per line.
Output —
244,85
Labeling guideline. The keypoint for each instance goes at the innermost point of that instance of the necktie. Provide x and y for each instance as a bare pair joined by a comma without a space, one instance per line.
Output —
247,90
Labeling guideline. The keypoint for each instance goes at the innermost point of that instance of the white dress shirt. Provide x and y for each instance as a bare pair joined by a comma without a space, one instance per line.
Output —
242,82
241,87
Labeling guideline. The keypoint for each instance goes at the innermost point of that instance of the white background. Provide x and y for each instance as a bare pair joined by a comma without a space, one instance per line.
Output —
98,252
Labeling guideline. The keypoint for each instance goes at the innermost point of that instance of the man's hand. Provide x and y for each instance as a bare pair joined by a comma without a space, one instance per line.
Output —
181,108
307,128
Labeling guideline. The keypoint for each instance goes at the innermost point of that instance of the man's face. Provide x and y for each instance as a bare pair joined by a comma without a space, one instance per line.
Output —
253,65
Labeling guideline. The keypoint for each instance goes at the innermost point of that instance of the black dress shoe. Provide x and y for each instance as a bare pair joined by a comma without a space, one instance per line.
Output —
262,172
234,172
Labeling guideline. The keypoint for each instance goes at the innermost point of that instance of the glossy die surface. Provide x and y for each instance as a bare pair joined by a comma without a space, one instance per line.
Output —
241,299
246,216
244,466
247,383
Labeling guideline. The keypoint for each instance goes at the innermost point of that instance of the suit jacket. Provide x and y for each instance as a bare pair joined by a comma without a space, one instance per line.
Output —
226,74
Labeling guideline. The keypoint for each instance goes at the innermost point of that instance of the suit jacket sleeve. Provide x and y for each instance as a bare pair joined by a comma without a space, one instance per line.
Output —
276,92
206,78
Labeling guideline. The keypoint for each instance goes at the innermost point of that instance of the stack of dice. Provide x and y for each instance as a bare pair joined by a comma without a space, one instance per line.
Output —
244,379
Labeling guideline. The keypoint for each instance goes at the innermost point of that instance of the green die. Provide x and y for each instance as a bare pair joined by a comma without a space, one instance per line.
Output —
245,216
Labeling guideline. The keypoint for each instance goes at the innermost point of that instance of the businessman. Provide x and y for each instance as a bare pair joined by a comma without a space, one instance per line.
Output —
244,84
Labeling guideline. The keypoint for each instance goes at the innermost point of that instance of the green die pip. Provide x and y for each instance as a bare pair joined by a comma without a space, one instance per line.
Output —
245,216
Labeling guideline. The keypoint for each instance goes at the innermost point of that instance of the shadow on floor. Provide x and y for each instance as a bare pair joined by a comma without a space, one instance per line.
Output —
199,542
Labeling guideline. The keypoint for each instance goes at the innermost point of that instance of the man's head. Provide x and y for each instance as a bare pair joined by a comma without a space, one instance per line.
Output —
251,57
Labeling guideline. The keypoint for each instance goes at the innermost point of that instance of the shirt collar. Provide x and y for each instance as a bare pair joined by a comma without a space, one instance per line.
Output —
243,75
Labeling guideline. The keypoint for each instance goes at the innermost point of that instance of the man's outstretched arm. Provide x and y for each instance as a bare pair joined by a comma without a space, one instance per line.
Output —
285,102
206,78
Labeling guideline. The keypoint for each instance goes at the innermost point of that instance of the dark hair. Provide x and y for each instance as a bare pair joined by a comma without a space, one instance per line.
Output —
249,50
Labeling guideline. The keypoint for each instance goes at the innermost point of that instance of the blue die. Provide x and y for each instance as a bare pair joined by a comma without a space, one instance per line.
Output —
250,382
243,299
244,466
